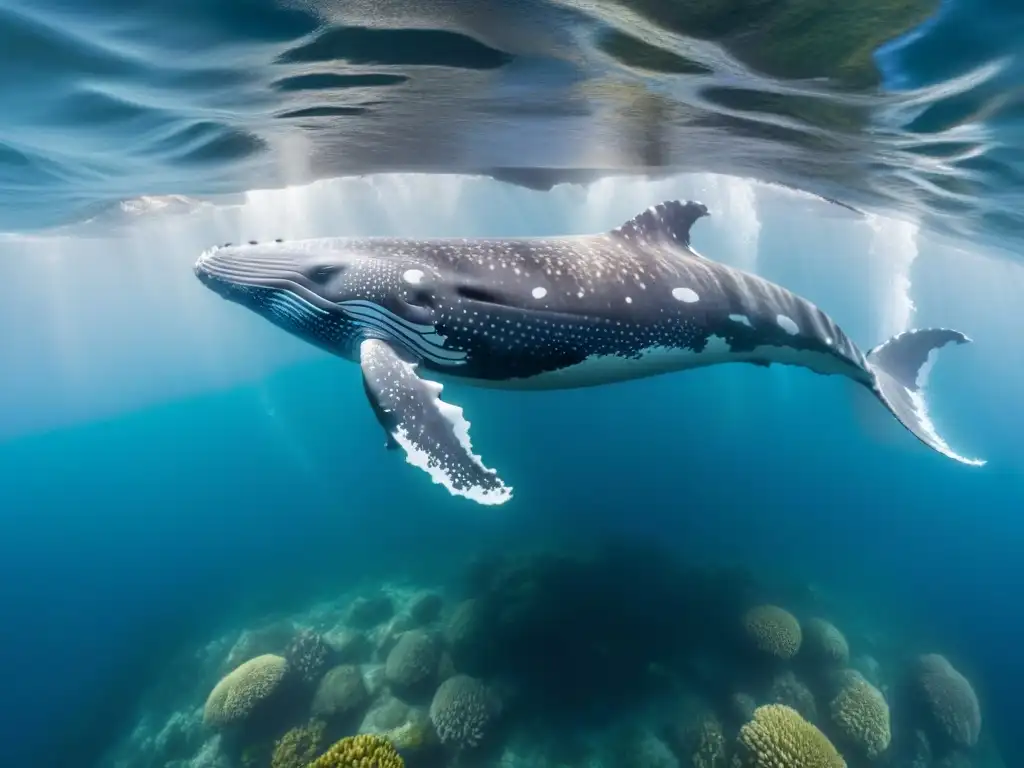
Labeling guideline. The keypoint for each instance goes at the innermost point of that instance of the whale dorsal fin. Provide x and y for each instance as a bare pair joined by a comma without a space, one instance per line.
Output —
669,221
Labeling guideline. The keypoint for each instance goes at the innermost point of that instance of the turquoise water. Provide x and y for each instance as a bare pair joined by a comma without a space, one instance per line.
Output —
174,471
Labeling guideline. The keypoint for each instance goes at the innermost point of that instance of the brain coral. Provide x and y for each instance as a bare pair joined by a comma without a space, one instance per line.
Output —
861,715
239,692
824,643
773,630
341,692
413,662
778,737
364,751
462,710
950,699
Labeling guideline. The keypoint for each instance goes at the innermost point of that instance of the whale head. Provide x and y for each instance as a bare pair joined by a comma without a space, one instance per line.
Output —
328,292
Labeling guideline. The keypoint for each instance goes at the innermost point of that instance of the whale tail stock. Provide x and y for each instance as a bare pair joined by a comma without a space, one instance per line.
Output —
896,366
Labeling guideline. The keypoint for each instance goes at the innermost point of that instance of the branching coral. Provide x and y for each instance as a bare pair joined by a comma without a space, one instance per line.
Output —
950,699
307,656
824,643
298,746
861,714
462,711
363,751
239,692
778,737
773,630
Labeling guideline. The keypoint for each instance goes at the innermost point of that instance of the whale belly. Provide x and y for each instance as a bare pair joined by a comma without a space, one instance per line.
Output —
598,369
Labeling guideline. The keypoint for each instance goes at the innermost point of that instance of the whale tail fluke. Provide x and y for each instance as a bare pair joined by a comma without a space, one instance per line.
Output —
897,366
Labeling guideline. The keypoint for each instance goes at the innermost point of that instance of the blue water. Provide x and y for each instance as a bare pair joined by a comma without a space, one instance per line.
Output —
171,470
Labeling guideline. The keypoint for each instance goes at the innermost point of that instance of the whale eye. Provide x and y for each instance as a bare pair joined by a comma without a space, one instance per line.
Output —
322,273
475,293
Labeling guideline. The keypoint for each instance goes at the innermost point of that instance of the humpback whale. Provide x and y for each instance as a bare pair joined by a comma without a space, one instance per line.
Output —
542,313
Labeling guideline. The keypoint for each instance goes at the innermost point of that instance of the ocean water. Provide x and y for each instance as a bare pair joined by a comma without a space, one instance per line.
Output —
176,472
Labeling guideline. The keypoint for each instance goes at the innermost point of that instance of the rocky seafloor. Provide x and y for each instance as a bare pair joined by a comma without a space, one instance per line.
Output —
614,658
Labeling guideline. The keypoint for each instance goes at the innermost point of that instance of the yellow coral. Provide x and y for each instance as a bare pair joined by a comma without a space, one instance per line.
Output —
364,751
242,690
773,630
778,737
861,714
298,746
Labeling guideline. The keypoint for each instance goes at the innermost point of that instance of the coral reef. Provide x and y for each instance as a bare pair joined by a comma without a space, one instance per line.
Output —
363,751
298,747
949,699
307,655
425,607
773,631
413,663
348,646
462,711
241,691
271,638
701,743
368,612
778,737
787,689
825,644
341,692
861,715
611,657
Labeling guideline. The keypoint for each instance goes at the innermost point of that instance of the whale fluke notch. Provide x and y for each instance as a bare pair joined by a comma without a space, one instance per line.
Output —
433,434
897,365
669,221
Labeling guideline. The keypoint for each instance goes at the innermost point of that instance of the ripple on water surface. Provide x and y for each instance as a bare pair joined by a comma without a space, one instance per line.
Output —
893,104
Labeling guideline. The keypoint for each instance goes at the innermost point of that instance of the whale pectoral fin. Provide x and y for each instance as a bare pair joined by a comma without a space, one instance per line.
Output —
434,434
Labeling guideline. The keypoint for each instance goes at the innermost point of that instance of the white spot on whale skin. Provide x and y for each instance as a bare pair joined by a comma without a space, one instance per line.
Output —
629,300
412,276
539,293
787,324
687,295
741,319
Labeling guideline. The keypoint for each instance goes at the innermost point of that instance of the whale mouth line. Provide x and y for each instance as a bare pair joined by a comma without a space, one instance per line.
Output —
224,273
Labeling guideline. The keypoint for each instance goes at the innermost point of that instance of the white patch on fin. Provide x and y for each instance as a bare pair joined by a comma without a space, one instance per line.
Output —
434,434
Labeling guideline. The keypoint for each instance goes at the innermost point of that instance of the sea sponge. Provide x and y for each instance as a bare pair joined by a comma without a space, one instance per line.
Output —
364,751
462,711
949,699
298,746
239,692
778,737
342,691
773,630
861,714
413,663
307,656
824,643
